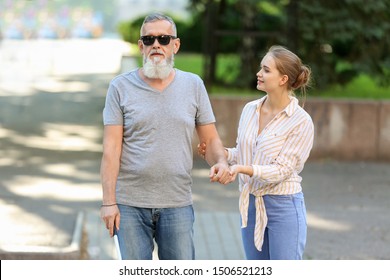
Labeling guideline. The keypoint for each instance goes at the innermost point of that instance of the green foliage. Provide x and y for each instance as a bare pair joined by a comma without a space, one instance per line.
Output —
227,70
339,39
190,62
361,86
349,32
130,30
191,34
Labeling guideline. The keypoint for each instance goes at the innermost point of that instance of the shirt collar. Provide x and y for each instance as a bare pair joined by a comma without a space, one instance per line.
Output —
289,110
260,102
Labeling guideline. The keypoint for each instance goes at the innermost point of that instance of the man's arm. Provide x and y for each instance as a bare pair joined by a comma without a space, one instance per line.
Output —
109,170
215,153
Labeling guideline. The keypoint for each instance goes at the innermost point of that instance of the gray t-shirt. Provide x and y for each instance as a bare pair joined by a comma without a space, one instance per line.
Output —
158,127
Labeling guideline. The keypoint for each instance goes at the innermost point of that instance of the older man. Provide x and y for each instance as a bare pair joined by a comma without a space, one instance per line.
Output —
149,119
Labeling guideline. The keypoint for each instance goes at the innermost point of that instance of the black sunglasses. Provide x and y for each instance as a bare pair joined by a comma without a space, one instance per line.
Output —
162,39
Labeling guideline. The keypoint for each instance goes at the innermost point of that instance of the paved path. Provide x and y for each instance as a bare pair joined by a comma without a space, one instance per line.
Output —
50,148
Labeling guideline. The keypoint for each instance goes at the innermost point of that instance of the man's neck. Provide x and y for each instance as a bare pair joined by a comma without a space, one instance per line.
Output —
156,83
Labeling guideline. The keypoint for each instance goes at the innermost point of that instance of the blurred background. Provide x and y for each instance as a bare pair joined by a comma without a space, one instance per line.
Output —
345,42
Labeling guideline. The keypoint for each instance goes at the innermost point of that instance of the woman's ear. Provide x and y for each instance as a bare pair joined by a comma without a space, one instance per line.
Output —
283,80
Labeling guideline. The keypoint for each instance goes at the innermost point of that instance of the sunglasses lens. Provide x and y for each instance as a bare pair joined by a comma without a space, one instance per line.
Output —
148,40
164,40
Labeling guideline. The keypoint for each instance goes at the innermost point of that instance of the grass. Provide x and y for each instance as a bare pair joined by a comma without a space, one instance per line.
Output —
190,62
362,87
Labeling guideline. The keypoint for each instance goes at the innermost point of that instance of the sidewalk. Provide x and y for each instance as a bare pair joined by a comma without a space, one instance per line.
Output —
347,211
50,194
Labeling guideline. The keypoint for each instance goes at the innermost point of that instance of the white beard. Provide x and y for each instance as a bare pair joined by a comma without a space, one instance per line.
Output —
155,68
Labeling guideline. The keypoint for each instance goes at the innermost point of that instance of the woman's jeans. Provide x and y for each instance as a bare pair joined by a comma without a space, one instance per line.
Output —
171,228
285,234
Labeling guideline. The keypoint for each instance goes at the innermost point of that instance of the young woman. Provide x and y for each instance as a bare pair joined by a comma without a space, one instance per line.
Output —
275,137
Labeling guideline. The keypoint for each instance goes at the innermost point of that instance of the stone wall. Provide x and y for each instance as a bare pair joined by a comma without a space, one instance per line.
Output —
344,129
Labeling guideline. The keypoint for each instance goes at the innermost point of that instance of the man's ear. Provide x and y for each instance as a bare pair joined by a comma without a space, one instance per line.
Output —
140,46
176,46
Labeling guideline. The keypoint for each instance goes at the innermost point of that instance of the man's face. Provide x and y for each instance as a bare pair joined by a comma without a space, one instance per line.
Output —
158,59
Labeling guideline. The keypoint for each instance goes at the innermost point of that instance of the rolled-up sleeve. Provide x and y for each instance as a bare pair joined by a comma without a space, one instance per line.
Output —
293,154
232,155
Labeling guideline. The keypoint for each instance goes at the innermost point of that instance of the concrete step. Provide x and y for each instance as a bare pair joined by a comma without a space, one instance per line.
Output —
76,250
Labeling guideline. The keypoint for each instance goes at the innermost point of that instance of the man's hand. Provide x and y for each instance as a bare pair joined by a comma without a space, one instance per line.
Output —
220,173
111,217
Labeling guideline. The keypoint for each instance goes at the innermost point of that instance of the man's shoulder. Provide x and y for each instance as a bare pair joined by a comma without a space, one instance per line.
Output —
187,75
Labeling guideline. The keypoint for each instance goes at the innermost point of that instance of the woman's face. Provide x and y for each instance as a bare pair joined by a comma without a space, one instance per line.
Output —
268,77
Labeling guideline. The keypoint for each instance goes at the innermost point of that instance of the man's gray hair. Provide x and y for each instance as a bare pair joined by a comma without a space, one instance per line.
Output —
156,17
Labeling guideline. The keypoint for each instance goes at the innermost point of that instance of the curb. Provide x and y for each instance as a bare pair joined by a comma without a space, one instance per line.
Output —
72,252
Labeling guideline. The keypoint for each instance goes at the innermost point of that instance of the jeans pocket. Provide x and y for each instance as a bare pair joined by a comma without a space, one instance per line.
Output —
301,210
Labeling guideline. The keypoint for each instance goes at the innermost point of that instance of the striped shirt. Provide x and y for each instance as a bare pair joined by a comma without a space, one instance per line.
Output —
277,156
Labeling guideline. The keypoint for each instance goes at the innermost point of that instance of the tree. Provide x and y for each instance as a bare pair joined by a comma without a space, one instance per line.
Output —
342,38
339,39
241,27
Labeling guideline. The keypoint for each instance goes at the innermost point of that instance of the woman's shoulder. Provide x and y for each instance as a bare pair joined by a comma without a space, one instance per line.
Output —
254,103
302,112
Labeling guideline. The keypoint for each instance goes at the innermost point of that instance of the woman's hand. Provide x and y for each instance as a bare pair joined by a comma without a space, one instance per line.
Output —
243,169
234,170
202,150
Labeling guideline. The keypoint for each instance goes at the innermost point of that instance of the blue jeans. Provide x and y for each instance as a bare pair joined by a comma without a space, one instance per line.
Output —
285,234
171,228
